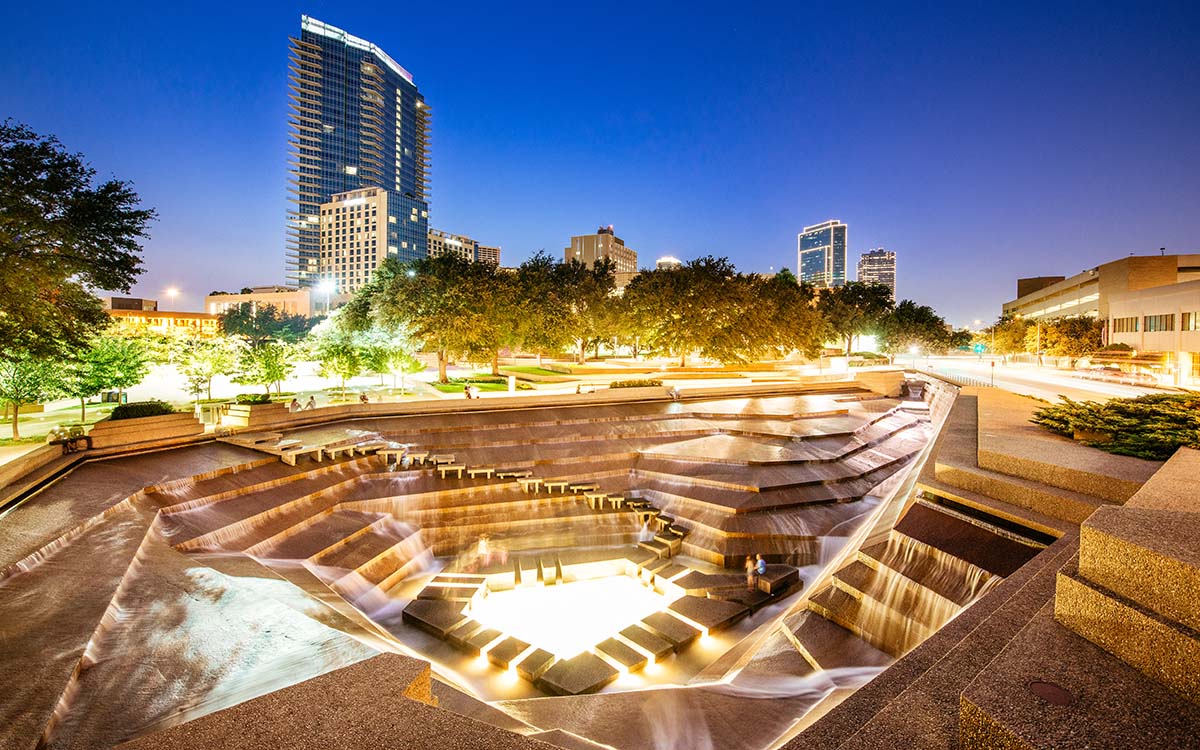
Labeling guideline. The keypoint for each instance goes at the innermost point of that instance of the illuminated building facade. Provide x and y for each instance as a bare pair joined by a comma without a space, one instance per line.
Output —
357,120
821,254
878,266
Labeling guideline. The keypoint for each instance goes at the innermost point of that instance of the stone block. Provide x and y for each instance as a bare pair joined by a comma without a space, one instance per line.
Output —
647,641
585,673
254,415
622,654
711,614
108,433
533,666
1159,648
435,616
475,644
671,629
504,652
1148,556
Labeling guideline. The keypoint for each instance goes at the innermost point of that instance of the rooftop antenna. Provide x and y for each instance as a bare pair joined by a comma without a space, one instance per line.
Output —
1162,251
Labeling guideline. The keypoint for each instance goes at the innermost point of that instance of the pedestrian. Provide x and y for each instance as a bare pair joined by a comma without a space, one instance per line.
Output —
750,573
312,403
294,406
467,392
362,399
760,569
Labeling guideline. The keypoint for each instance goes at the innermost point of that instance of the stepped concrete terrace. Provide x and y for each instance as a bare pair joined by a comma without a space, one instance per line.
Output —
276,574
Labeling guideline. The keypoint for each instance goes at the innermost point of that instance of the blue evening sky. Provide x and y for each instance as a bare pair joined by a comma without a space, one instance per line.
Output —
980,141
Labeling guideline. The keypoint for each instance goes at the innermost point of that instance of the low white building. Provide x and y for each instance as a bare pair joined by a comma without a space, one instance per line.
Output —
1163,321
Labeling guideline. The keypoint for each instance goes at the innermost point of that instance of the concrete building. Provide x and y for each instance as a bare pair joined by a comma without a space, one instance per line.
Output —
356,121
289,300
353,239
878,266
440,243
1161,324
667,262
1088,292
588,248
821,254
169,323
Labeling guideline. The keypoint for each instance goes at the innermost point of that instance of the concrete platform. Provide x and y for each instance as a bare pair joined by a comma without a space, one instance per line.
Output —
671,629
712,614
585,673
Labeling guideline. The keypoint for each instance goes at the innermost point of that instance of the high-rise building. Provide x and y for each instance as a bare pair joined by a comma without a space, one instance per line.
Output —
357,121
352,245
878,266
821,254
464,247
588,248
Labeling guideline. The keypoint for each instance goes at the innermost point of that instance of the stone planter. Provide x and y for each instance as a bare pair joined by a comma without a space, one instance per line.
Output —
108,433
254,415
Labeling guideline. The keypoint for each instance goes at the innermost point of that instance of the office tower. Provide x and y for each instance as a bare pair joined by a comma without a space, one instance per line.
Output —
464,247
821,254
352,224
588,248
356,121
878,266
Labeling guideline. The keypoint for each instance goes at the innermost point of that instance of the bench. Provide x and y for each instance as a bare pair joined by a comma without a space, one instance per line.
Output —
595,500
513,473
333,451
290,455
586,487
484,470
365,449
528,483
419,457
441,458
560,484
445,469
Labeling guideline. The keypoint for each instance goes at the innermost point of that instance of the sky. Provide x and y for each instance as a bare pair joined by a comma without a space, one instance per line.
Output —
981,142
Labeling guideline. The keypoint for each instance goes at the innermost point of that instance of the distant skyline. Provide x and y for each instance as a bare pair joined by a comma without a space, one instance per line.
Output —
979,143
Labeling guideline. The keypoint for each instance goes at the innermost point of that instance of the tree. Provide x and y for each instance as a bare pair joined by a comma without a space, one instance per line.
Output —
911,325
258,324
339,354
783,311
586,296
201,360
388,352
541,326
108,362
448,304
1008,333
61,236
268,364
27,380
854,309
1072,337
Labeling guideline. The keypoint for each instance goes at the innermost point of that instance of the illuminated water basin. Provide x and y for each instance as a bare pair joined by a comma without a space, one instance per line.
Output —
570,618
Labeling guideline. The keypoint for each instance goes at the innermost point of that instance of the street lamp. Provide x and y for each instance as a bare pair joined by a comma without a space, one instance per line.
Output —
172,293
326,286
914,350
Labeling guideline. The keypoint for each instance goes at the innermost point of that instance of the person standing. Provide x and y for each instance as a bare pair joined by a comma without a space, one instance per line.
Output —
750,574
760,569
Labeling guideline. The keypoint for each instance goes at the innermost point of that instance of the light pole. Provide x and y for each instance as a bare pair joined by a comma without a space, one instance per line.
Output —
326,286
172,293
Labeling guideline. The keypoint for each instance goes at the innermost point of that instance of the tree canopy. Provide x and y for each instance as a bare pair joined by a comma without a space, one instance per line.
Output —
854,309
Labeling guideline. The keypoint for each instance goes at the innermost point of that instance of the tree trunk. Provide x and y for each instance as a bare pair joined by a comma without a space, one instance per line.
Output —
496,363
209,392
539,358
582,353
683,359
16,409
442,367
597,348
82,410
849,340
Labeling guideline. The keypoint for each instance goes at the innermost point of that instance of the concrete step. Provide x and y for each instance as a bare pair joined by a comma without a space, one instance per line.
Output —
1148,556
314,535
827,645
877,625
915,561
897,593
1055,502
1038,522
1163,650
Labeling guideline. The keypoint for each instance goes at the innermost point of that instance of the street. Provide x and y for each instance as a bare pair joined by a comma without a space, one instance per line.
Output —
1030,380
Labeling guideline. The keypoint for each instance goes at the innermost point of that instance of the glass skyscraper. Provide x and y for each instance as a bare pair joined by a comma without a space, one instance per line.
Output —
357,120
821,254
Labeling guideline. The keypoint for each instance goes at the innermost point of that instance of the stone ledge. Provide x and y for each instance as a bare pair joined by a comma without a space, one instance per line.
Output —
108,433
1162,650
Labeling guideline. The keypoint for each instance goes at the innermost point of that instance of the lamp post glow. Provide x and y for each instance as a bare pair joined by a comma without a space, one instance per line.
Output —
914,350
326,286
172,293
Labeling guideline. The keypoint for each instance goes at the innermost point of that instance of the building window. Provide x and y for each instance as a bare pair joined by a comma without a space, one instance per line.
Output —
1158,323
1125,325
1189,321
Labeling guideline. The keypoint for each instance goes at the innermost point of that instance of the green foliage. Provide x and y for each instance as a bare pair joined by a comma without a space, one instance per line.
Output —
259,324
854,308
252,398
27,380
268,364
108,362
1009,335
61,236
201,360
1072,337
635,383
908,325
152,408
1152,426
338,353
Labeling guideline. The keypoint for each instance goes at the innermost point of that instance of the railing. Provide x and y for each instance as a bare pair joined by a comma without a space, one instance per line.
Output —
963,381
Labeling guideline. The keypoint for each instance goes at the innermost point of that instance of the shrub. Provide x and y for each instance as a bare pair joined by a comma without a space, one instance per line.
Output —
868,355
141,409
634,383
1151,427
252,398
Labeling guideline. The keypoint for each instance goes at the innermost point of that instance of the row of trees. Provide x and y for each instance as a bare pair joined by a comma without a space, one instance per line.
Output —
1074,337
706,307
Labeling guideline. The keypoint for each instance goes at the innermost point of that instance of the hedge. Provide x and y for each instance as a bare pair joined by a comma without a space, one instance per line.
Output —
252,398
1151,427
141,409
634,383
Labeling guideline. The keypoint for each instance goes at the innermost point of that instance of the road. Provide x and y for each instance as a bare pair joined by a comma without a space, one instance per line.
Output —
1043,382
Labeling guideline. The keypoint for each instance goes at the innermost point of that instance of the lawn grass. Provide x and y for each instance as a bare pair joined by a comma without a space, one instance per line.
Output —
533,370
457,386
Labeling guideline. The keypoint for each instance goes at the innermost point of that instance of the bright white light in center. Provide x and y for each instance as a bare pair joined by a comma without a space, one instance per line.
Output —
570,618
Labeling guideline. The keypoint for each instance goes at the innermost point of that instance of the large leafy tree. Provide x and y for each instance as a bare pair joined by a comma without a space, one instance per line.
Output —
854,309
1008,335
911,325
258,324
586,299
108,362
27,380
450,305
783,313
544,312
62,235
339,352
1073,337
268,364
201,360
